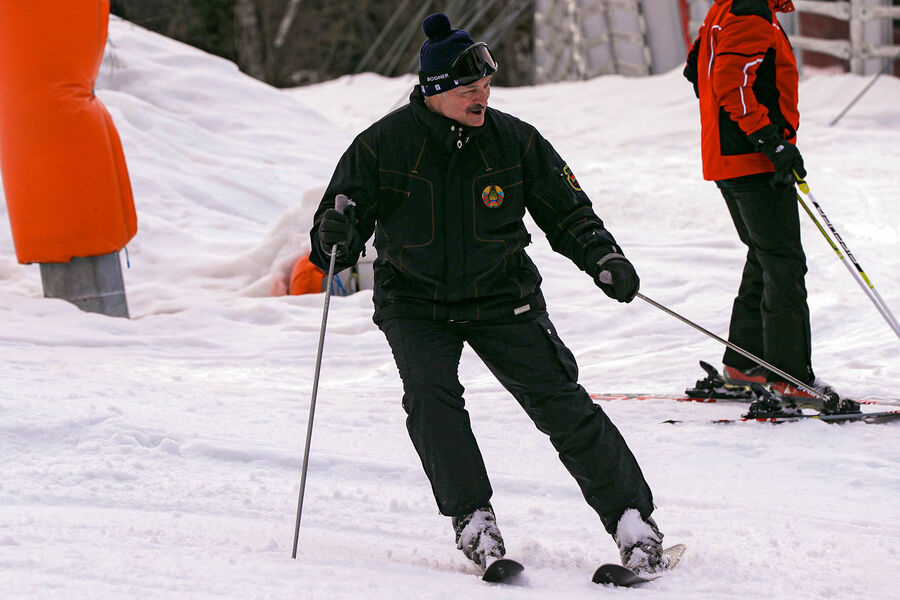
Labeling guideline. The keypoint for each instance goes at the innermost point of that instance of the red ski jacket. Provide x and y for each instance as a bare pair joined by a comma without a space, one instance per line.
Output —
745,75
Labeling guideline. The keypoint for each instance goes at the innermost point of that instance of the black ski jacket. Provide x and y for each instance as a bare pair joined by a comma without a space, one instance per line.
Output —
446,205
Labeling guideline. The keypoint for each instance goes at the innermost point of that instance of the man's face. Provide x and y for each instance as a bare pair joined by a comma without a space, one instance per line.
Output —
465,104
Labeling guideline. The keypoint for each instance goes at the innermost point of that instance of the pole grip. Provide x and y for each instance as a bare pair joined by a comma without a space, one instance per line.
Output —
341,202
801,183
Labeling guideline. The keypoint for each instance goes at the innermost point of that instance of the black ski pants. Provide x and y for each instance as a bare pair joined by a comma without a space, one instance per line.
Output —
534,365
770,316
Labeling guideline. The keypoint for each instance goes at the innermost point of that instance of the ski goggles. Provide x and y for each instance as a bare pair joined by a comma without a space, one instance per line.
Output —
473,63
470,65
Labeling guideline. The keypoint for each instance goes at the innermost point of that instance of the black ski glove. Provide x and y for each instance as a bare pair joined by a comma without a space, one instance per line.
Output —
336,228
783,154
617,278
690,68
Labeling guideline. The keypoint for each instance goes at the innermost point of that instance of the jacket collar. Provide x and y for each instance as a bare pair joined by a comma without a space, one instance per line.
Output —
448,133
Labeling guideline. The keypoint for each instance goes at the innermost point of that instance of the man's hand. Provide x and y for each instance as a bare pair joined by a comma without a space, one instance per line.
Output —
617,278
335,228
783,154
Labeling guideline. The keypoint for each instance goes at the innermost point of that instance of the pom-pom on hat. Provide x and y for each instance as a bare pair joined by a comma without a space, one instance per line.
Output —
443,46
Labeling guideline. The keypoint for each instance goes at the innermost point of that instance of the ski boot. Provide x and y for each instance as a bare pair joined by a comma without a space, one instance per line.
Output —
833,404
715,386
640,544
478,536
738,377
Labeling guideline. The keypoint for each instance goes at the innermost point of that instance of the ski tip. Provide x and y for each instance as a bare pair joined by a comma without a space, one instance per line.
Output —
616,575
502,570
620,576
674,554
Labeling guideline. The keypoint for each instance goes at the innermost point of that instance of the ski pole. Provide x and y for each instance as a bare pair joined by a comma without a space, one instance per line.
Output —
855,275
858,274
737,349
341,202
884,69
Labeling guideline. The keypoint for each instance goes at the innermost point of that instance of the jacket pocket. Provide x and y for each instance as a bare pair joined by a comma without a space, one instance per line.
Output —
406,210
561,352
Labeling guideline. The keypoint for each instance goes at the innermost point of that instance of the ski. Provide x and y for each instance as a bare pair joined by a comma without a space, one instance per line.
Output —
714,388
617,575
863,417
746,399
502,570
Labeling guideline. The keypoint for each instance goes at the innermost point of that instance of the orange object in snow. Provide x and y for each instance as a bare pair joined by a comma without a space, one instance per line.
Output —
67,187
306,278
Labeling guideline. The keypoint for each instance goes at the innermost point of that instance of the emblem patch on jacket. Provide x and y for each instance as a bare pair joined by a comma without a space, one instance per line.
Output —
570,178
492,196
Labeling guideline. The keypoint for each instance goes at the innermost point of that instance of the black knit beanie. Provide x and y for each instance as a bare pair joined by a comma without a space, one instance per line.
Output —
438,51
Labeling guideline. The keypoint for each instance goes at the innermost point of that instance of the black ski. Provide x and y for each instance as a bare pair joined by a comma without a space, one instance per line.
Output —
611,573
813,403
502,570
864,417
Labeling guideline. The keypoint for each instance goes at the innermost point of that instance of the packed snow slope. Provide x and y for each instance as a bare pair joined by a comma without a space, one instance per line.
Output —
159,457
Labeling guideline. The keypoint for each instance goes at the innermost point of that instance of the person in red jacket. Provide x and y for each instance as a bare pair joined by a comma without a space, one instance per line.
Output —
744,73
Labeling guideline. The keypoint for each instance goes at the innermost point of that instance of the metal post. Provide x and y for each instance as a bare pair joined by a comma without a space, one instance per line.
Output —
92,283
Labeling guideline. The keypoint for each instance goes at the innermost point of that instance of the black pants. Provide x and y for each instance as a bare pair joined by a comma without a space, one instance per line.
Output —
770,316
533,364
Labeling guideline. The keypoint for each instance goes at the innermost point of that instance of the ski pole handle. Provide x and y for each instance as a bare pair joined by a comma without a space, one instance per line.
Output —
341,202
801,183
343,205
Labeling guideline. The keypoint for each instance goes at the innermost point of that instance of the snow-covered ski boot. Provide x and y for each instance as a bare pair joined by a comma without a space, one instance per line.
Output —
715,386
478,536
767,405
640,544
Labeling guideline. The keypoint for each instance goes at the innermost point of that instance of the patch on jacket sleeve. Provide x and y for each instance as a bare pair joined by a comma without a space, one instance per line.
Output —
570,178
492,196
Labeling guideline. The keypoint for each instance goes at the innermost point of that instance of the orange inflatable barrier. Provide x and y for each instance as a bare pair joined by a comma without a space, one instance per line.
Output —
64,174
306,278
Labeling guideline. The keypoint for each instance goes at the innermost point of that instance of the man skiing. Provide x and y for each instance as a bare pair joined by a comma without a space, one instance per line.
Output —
444,183
745,76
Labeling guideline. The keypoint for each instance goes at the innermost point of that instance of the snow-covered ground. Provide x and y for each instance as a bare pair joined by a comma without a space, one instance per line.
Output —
159,457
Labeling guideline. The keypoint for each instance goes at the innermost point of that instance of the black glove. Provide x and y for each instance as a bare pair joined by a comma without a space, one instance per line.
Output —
336,228
783,154
690,68
617,278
